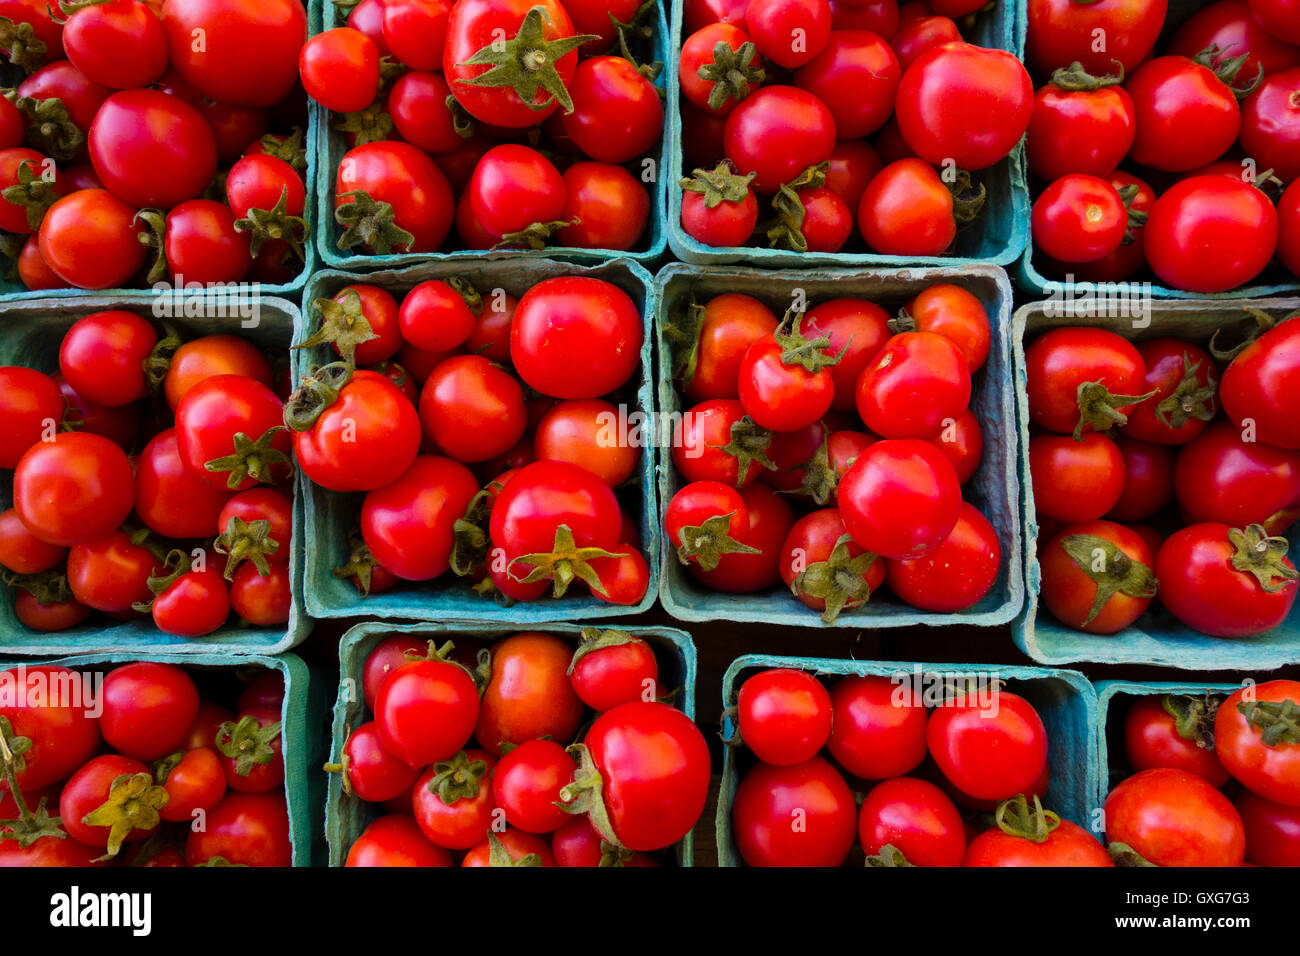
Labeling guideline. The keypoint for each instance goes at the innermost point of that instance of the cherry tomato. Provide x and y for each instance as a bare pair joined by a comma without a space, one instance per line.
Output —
407,525
1174,818
1210,234
1255,742
395,840
76,487
251,829
916,819
1173,731
776,133
528,694
900,499
769,798
990,753
783,716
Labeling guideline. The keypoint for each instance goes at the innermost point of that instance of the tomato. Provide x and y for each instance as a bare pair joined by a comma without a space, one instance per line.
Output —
1173,731
617,114
914,385
989,752
907,210
1080,124
769,798
452,800
634,751
1230,26
1256,382
1061,32
1174,818
340,69
729,324
1058,362
472,409
728,78
33,408
857,330
407,524
249,56
957,574
607,206
1256,740
193,601
194,786
50,851
873,734
1278,17
170,498
231,433
21,551
510,848
790,33
244,539
201,243
1079,218
33,271
578,844
1186,116
203,732
270,185
852,165
1036,837
388,655
785,380
1075,480
783,716
103,355
526,785
395,840
1220,477
251,829
1269,122
410,182
418,105
528,694
81,98
1182,377
577,432
263,599
512,188
719,442
825,569
36,615
776,133
426,711
856,76
900,499
213,355
705,520
76,487
954,313
1210,234
1148,480
96,810
119,44
1272,830
490,336
575,337
1225,581
88,238
147,709
700,13
916,820
17,215
770,521
963,104
612,668
43,706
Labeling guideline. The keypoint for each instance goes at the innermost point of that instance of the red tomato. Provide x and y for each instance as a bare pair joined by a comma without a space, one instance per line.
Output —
778,388
33,408
526,785
957,574
1175,818
826,572
916,820
916,384
170,498
770,520
727,79
612,668
408,180
194,785
147,709
1256,381
853,163
88,238
194,600
213,355
907,210
452,800
783,716
426,711
407,525
24,553
856,76
1220,477
617,114
1148,480
1173,731
1080,124
1058,362
776,133
729,324
1079,218
1075,480
119,44
610,205
61,728
790,33
1272,830
770,800
1230,26
1038,838
230,431
1278,17
340,69
875,734
510,848
472,409
529,694
201,243
109,801
1256,740
102,357
1269,122
251,829
1182,377
991,750
900,499
1210,234
1061,32
76,487
262,599
395,840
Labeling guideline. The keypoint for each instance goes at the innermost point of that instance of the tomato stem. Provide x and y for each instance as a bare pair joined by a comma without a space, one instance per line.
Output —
840,580
343,325
706,543
457,777
1015,817
1110,569
1264,557
732,73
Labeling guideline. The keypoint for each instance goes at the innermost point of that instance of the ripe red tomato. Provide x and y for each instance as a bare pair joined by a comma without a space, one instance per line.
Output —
776,133
409,181
33,408
728,79
147,709
24,553
194,600
395,840
201,243
1058,362
137,133
1036,838
916,384
88,239
1186,116
196,783
900,499
612,668
1230,26
729,324
790,33
783,716
102,357
407,525
76,487
907,210
1079,218
1256,381
1210,234
426,711
1175,818
526,785
415,31
1278,17
1220,477
61,728
1256,740
1182,377
119,44
1075,480
1224,581
111,800
823,570
510,848
575,337
957,574
770,520
607,206
170,498
778,388
340,69
371,772
1173,731
262,599
1269,121
230,432
529,694
452,800
249,829
916,819
989,750
249,53
512,188
856,76
617,114
1272,830
1080,124
472,409
1061,32
770,801
964,104
954,313
213,355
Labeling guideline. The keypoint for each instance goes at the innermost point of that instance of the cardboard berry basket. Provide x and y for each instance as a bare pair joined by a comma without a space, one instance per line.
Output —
332,516
994,489
1156,637
331,145
1114,697
1276,280
346,815
998,237
34,330
1063,698
302,717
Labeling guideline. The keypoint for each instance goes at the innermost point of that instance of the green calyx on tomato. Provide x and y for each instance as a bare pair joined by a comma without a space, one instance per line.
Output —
1193,717
1100,409
360,564
152,236
247,742
798,349
47,587
1278,721
786,230
33,192
526,63
470,537
133,804
175,566
23,47
318,390
1125,855
162,769
968,197
343,325
50,130
369,223
461,121
535,235
1262,556
266,225
682,332
465,289
840,580
1075,79
595,639
498,855
457,777
480,675
585,794
1015,817
748,445
1107,566
289,148
708,542
252,458
732,72
370,125
820,479
244,541
562,564
1189,399
718,185
1248,330
1228,69
889,856
160,358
